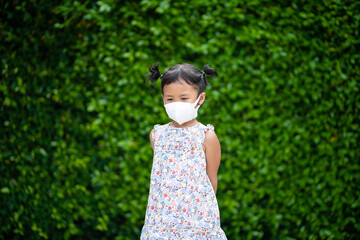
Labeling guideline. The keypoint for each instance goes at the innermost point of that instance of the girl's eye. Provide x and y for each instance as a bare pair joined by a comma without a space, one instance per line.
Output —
183,98
170,99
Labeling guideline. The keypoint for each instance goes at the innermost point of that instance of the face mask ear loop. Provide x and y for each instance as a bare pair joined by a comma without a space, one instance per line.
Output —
197,101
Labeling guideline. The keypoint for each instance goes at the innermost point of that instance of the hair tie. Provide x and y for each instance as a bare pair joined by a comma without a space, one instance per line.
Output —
203,75
161,76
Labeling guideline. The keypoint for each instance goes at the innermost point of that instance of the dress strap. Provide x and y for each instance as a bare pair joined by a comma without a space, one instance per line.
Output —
209,126
204,129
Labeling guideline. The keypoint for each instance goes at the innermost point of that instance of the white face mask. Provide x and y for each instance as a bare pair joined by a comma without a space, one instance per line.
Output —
182,112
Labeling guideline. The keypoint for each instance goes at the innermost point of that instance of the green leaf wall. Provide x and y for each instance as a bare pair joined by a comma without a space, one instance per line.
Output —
76,111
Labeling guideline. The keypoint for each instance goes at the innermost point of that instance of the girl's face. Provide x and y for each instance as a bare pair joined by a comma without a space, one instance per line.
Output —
180,91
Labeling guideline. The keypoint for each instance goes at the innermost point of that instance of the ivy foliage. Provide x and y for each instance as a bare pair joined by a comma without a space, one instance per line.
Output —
76,111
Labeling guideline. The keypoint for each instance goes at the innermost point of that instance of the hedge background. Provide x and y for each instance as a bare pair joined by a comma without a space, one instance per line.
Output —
76,112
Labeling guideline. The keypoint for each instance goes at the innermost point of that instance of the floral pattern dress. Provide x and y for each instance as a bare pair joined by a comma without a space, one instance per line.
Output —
182,203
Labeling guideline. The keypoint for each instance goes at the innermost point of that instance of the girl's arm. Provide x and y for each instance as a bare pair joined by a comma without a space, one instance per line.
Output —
213,156
151,140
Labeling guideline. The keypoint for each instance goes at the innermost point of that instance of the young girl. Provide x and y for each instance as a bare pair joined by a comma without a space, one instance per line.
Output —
182,200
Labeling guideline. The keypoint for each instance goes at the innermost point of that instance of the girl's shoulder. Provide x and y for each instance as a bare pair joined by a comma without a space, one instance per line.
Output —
206,127
157,130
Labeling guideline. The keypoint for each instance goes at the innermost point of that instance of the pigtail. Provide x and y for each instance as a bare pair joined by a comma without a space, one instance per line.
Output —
154,73
209,71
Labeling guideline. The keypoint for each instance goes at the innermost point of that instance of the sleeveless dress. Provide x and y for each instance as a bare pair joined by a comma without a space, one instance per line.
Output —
182,203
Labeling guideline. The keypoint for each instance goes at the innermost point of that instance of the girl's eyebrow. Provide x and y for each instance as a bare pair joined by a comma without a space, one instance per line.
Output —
184,94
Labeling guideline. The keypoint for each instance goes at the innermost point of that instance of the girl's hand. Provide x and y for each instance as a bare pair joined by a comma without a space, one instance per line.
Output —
213,156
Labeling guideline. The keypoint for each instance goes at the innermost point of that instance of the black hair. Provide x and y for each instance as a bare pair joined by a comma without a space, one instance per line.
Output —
184,71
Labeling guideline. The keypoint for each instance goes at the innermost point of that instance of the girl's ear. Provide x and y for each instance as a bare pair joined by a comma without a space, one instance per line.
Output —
202,98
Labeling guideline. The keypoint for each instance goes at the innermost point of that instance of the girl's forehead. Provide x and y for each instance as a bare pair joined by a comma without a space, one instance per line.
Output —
178,88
